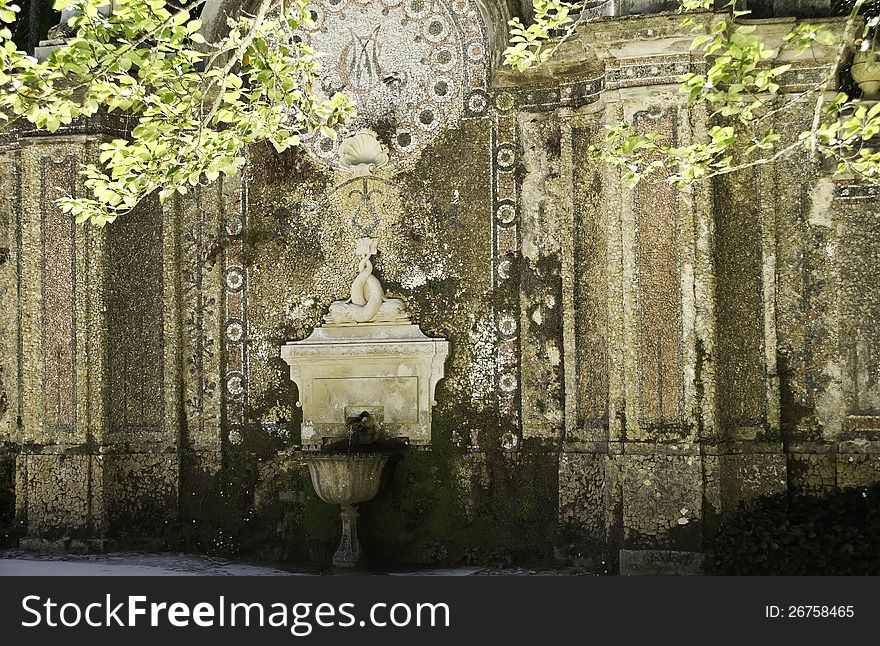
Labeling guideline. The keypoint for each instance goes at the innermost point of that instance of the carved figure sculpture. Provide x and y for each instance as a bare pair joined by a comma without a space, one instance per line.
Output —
367,303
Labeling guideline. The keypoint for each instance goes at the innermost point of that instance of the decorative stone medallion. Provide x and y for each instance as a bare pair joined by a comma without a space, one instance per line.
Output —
411,66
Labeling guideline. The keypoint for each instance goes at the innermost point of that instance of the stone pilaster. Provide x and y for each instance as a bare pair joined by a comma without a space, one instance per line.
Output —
9,337
9,288
63,347
98,434
141,447
193,225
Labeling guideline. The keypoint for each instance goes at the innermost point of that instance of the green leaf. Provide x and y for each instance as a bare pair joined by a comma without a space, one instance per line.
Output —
825,37
699,40
782,69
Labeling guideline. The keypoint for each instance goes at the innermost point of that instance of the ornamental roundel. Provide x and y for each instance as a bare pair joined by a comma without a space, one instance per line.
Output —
412,67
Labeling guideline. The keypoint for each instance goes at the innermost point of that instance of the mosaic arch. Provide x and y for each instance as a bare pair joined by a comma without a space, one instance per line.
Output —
415,67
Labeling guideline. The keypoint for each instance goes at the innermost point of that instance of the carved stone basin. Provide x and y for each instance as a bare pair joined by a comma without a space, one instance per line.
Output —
346,479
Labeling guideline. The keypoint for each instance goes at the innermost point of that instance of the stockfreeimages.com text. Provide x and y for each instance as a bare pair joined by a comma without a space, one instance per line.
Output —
300,618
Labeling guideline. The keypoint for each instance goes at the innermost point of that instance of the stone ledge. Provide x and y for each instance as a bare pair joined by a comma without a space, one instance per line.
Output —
660,563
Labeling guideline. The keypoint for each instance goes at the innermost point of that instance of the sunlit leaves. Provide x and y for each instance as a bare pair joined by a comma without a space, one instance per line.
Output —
198,105
740,91
528,45
696,5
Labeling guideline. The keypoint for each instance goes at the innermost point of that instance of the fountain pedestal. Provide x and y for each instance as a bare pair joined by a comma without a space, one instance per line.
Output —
349,551
367,356
347,479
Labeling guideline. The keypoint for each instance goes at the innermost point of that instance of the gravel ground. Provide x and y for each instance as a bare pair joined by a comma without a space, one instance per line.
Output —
20,563
17,563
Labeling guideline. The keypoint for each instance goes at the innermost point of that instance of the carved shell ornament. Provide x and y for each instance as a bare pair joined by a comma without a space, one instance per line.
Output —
362,153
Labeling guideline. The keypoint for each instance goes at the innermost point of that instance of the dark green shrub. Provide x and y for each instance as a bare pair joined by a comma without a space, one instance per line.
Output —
837,534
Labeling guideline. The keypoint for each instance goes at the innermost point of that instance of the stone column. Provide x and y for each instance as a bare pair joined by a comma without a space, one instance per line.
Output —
585,508
141,448
545,222
659,473
642,396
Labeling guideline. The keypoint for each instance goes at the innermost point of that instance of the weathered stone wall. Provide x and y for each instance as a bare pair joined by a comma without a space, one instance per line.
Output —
86,390
9,327
9,334
61,277
627,368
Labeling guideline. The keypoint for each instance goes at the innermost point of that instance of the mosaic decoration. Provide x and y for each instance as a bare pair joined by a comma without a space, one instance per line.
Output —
59,308
201,397
845,192
505,242
591,287
854,251
649,70
570,95
365,218
16,196
741,370
659,292
236,311
361,201
633,72
417,66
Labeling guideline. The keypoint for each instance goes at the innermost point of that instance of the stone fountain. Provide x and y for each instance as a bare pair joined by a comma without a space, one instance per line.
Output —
366,380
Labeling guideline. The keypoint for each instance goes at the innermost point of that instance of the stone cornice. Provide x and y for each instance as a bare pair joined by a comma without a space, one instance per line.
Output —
646,51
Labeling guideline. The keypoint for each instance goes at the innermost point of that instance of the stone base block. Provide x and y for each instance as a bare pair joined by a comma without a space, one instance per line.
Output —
61,495
64,545
857,470
141,491
583,497
735,481
662,501
811,474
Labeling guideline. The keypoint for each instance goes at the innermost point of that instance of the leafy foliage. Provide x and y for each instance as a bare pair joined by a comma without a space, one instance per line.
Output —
740,92
837,534
528,44
198,104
